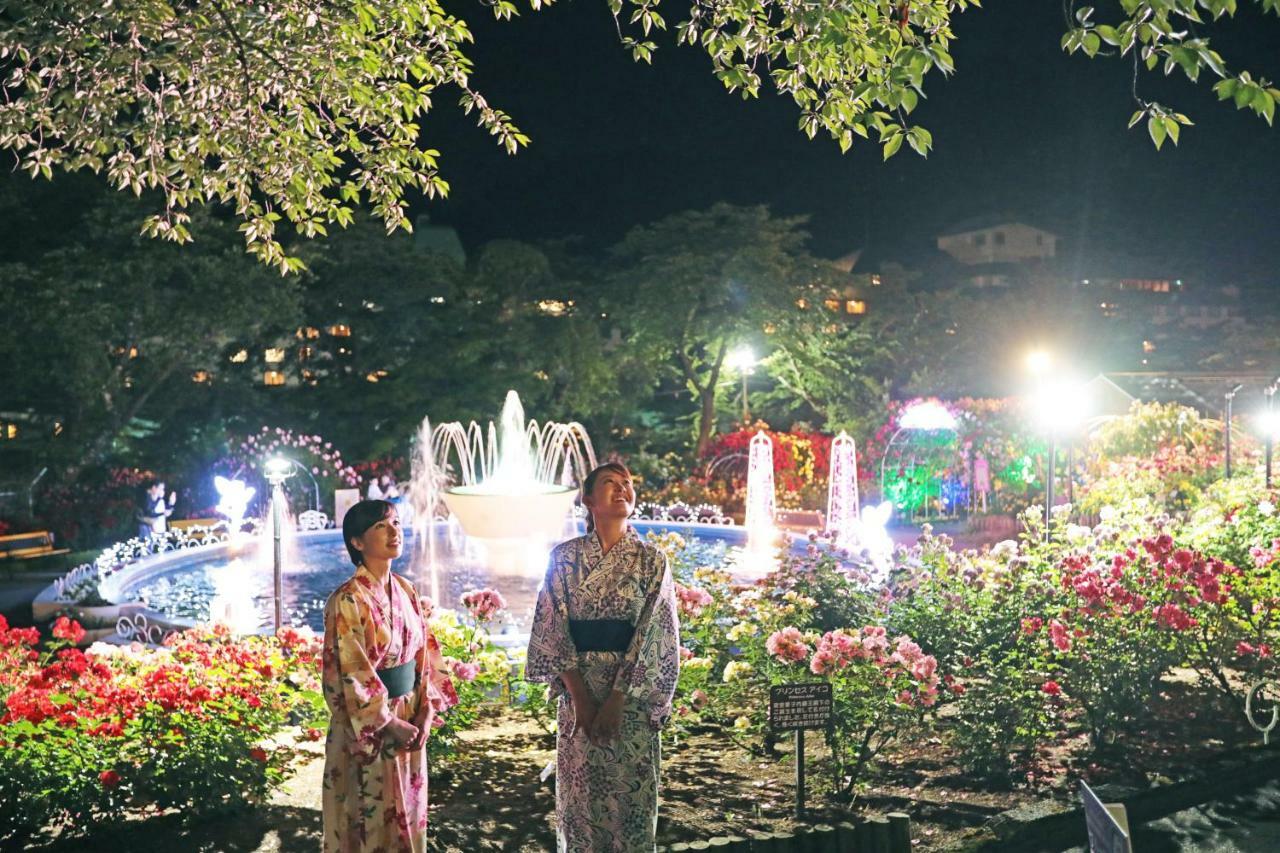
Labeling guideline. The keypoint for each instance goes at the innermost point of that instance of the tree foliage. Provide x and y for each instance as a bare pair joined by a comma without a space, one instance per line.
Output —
300,111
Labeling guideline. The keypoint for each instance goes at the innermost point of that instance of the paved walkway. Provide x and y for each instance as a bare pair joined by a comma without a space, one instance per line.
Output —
18,589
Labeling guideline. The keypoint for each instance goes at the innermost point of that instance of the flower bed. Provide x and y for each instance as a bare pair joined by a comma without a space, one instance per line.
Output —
91,735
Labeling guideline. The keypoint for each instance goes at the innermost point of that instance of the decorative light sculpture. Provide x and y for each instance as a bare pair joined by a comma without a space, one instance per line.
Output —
842,492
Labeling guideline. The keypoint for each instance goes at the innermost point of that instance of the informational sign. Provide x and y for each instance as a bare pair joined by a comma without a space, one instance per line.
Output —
1104,821
793,707
796,707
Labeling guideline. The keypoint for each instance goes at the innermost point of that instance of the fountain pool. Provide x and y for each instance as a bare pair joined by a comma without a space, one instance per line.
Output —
183,587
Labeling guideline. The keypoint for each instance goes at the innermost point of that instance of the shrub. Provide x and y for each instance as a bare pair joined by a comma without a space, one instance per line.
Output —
91,735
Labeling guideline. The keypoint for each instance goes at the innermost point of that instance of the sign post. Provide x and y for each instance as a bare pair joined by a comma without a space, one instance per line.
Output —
797,707
1107,824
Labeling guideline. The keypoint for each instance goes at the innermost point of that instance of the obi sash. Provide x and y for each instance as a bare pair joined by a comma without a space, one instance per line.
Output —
399,680
601,635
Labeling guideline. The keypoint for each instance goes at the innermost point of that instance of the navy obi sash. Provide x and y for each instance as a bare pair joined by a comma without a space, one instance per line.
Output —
399,680
601,635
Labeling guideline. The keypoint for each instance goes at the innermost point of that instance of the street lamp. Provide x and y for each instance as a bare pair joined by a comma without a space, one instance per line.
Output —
1269,421
1230,395
278,469
1038,362
743,359
1057,405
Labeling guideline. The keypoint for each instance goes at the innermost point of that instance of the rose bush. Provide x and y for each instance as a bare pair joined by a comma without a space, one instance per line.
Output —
90,736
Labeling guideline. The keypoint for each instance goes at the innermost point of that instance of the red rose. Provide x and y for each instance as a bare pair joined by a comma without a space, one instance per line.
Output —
109,778
258,754
1051,687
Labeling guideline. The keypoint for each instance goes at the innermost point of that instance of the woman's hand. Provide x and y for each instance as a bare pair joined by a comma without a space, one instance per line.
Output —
399,733
584,713
424,721
608,719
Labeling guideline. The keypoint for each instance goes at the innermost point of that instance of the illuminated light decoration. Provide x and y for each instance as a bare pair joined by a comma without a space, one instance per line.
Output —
874,540
760,557
553,307
273,378
842,492
273,355
201,377
340,331
233,501
926,415
921,459
437,300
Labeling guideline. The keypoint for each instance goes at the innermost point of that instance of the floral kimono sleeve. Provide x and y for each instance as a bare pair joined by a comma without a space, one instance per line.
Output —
652,663
434,683
551,649
363,693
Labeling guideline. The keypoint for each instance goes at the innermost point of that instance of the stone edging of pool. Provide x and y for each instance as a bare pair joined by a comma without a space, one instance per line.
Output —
1055,825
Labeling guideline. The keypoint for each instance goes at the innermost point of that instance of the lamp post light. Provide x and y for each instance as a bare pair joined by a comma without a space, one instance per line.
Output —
743,359
1058,406
278,469
1230,395
1270,423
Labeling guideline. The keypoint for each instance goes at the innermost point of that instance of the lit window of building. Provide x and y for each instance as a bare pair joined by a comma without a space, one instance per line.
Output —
1148,346
240,356
875,280
201,377
855,306
340,331
437,300
306,352
832,304
375,375
273,377
9,431
309,377
308,333
273,355
552,307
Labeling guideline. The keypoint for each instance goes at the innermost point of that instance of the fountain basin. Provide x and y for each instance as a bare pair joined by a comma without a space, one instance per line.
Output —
535,515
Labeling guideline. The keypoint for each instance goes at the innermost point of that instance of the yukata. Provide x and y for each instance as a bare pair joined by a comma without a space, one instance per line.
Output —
607,796
375,794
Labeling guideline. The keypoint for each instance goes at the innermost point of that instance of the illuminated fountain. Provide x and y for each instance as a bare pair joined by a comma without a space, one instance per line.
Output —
842,492
510,486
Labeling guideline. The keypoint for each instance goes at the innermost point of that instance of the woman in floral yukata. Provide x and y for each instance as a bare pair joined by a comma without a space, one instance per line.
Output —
605,636
384,682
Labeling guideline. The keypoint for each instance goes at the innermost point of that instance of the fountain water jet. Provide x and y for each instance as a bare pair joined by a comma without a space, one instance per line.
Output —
513,483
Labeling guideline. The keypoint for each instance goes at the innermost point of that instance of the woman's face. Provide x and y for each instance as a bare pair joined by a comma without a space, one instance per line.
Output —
613,496
383,541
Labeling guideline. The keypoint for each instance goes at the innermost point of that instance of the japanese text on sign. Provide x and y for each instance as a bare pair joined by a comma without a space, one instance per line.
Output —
800,706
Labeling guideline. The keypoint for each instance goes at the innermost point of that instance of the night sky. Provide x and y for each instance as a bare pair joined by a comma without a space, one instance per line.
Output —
1020,128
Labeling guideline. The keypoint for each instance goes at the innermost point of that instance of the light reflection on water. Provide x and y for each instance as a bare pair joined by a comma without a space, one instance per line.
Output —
188,590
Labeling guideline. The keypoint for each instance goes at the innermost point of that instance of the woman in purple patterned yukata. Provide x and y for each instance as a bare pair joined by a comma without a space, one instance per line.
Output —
385,682
605,635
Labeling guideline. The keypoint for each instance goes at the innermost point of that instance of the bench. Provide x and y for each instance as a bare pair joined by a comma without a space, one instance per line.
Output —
801,520
25,546
186,524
